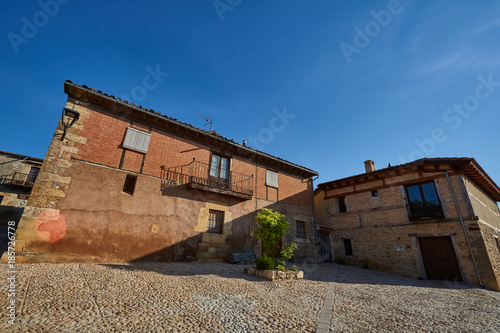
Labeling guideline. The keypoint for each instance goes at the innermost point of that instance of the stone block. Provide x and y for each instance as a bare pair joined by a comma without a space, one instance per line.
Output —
268,274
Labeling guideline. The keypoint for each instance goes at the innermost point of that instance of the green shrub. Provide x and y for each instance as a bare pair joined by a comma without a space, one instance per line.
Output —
264,262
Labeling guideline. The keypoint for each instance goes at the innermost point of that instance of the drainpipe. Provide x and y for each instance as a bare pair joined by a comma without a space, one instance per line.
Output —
465,231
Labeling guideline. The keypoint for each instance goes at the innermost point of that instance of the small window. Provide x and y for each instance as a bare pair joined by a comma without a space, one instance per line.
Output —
342,205
347,247
215,221
271,179
498,244
137,140
301,229
1,198
375,193
129,185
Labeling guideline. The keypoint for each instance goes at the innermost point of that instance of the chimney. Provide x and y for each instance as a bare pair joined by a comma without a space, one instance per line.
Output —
369,166
244,143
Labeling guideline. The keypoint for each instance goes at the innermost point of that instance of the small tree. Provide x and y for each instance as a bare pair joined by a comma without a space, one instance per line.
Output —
272,227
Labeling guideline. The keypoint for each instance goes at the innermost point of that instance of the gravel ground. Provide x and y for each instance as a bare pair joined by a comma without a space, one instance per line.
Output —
218,297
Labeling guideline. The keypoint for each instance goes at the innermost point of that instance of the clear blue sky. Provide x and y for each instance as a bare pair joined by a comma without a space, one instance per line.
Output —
380,80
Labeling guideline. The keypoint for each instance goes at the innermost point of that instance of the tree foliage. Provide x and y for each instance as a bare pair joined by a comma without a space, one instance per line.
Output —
272,227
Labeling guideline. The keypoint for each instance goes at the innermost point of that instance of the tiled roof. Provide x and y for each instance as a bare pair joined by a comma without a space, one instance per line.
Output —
69,86
467,165
21,157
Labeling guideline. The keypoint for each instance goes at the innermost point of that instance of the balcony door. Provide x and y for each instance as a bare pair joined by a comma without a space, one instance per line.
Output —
33,174
219,171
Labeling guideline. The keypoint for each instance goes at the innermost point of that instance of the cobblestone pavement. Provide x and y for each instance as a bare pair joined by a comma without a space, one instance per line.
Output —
378,302
218,297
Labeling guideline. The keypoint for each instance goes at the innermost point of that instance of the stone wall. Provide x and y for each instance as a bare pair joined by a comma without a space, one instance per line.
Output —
384,238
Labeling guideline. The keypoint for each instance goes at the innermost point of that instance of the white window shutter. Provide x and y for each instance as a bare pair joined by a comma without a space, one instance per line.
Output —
271,179
136,140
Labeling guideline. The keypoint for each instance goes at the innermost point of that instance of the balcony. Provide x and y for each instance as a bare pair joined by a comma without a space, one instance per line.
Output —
196,175
19,179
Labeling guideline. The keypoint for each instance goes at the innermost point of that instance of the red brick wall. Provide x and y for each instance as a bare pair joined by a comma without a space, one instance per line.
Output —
105,133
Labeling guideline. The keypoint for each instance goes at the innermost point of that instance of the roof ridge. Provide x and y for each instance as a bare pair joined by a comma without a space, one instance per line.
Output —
212,133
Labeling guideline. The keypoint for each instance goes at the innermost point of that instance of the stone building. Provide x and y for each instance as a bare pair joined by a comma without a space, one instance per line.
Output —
434,218
125,183
17,177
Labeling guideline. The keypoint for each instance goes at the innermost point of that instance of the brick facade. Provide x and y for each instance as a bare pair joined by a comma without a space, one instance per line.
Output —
381,228
80,211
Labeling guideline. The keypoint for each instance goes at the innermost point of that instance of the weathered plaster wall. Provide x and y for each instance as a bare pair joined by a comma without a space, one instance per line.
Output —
78,211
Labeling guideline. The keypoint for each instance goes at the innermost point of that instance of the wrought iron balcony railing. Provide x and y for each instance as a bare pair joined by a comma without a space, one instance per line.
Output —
197,175
18,179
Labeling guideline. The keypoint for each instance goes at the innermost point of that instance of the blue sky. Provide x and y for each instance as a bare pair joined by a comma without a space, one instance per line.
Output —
390,81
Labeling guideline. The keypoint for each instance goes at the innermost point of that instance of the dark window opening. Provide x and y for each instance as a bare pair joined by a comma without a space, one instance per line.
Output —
347,247
498,244
1,198
215,221
32,175
342,205
375,193
301,229
129,185
423,201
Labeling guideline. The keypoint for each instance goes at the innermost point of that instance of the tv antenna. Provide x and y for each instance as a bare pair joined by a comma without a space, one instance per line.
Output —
209,121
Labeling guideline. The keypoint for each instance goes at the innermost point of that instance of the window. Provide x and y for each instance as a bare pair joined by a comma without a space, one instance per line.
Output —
129,185
301,229
219,167
1,198
136,140
375,193
32,175
347,247
423,201
271,179
342,205
215,221
498,244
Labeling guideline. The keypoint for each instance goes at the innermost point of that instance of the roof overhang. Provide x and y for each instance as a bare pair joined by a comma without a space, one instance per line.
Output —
457,165
109,102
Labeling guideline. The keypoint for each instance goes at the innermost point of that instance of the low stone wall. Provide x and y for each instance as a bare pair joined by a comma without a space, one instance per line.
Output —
275,275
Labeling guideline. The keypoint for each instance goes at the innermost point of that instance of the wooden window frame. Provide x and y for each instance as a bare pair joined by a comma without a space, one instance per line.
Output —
219,166
136,140
272,179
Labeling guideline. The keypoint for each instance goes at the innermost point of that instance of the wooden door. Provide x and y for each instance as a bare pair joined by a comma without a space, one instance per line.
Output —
440,259
325,248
